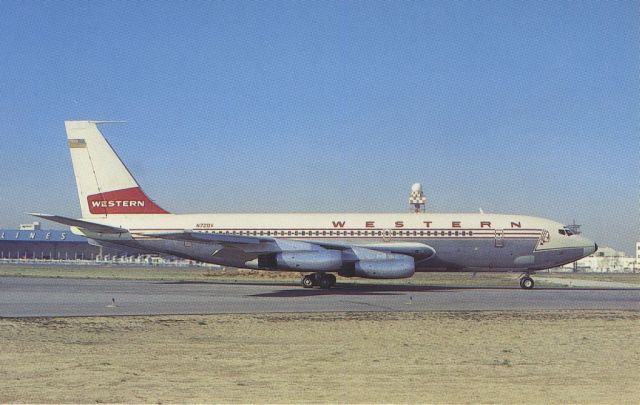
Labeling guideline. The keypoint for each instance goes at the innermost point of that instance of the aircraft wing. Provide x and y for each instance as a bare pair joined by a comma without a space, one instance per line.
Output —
414,249
247,247
78,223
218,239
259,245
254,245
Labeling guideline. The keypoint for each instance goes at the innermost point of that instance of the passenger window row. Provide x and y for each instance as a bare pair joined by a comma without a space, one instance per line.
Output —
343,233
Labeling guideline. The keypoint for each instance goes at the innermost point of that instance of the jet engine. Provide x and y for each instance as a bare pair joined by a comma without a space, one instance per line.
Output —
353,262
397,266
298,256
321,260
369,263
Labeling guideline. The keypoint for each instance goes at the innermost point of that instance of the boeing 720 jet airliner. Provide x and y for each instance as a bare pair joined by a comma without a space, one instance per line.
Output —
115,211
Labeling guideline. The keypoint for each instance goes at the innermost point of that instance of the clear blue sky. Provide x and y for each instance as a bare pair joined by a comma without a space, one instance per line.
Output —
515,107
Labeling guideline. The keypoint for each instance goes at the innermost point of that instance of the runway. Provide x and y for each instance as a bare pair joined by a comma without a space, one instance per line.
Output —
39,297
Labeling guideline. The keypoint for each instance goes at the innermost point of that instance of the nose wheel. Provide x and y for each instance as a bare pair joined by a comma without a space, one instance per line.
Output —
322,280
526,282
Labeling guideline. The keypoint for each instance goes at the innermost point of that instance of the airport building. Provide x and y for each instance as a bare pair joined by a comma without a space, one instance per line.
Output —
607,260
32,243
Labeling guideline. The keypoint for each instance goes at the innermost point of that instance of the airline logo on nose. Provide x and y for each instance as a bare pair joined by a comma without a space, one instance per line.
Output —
125,201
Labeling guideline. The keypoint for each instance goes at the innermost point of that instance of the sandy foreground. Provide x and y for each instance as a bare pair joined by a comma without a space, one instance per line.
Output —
450,357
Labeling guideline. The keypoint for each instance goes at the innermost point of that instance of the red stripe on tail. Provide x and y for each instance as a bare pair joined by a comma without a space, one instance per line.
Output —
125,201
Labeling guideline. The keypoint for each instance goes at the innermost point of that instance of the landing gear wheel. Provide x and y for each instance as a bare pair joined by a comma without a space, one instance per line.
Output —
332,279
526,283
327,281
307,281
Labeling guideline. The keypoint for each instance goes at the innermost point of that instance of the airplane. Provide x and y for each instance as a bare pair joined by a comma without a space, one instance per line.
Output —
117,212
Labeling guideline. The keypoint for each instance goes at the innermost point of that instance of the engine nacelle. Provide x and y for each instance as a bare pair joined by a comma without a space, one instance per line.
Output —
395,266
321,260
369,263
298,256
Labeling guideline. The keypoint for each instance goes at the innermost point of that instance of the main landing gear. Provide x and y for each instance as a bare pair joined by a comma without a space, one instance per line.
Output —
323,280
526,282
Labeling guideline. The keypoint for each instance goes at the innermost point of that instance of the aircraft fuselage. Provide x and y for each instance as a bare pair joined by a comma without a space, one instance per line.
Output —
464,242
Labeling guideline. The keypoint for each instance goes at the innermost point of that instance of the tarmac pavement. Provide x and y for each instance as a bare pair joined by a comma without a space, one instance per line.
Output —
49,297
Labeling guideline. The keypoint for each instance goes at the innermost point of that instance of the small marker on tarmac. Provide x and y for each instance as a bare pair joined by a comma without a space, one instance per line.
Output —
113,303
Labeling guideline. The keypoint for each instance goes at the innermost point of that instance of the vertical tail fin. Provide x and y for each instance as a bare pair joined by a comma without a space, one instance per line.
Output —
105,185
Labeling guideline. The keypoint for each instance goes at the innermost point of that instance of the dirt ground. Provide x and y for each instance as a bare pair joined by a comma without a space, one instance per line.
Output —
442,357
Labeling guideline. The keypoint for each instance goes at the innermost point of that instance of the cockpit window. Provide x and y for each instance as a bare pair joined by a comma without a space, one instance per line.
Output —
565,231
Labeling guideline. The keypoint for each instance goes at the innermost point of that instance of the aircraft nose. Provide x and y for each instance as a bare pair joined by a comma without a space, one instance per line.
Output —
591,250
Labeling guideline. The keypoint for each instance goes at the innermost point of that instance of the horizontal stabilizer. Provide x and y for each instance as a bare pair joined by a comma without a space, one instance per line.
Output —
211,238
78,223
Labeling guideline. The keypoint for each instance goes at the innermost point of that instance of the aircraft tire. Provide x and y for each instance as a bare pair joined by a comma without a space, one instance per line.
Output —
332,279
527,283
307,281
326,281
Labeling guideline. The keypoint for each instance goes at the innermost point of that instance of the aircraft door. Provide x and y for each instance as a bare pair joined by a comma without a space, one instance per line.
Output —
499,238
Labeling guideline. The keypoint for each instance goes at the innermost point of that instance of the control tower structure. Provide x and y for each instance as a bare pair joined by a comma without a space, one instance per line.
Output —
417,200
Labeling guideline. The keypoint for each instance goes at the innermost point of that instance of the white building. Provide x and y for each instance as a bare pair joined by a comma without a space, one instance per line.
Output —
608,260
34,226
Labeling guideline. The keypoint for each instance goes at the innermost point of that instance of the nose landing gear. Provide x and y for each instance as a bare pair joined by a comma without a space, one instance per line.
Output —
526,282
323,280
